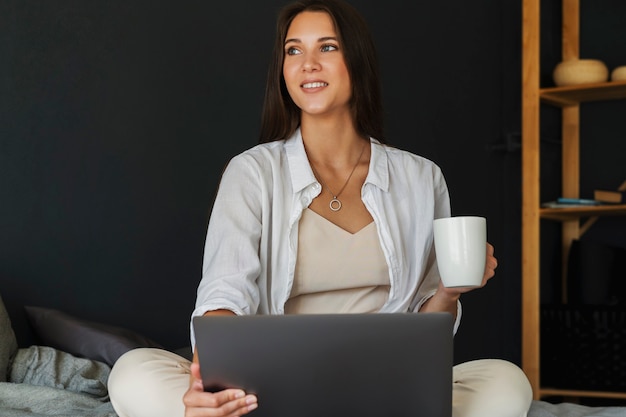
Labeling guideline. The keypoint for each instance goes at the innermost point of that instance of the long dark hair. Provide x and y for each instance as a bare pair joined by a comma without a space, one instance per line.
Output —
281,116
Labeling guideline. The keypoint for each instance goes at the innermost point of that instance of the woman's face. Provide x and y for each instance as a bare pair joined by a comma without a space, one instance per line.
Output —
314,68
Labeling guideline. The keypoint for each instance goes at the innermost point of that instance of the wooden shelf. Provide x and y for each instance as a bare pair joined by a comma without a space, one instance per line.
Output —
569,99
576,94
573,213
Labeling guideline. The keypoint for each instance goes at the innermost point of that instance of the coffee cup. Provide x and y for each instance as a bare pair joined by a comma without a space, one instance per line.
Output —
461,246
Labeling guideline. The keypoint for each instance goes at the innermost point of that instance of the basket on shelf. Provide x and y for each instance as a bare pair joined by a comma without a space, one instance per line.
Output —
583,347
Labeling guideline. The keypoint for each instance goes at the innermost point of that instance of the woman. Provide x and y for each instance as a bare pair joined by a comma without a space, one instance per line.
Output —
321,217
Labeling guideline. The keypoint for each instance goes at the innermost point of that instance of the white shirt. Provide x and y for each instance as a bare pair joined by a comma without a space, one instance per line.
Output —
252,237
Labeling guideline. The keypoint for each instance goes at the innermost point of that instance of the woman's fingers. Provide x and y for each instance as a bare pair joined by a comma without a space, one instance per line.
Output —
226,403
491,263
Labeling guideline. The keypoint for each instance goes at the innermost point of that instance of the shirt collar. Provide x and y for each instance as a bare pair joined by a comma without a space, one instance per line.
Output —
378,174
302,175
299,167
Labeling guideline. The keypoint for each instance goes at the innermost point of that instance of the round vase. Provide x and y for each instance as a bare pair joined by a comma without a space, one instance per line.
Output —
580,71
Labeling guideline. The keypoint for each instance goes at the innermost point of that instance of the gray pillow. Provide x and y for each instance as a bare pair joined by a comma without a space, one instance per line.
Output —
82,338
8,343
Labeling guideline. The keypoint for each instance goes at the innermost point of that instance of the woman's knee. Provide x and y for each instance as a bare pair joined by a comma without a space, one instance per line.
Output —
491,387
146,381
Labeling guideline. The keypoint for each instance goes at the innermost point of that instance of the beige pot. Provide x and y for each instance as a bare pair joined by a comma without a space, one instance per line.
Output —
619,73
580,71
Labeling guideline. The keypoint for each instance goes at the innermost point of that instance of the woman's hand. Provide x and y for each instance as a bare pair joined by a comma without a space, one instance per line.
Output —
445,299
491,263
226,403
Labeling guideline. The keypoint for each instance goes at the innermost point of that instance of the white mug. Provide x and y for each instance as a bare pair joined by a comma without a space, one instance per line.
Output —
461,249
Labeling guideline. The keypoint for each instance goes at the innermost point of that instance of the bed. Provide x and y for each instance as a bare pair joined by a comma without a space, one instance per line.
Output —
67,376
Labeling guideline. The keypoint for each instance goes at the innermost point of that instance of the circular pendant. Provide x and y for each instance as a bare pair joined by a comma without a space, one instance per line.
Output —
335,205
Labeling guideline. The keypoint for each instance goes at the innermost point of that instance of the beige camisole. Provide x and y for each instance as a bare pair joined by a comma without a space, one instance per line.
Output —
337,271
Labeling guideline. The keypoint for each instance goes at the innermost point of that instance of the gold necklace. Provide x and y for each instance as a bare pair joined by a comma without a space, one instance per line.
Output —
335,204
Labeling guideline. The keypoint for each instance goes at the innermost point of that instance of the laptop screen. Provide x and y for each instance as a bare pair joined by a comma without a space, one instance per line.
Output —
332,365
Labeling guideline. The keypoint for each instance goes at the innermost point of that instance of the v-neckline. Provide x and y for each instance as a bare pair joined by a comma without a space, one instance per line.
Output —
339,227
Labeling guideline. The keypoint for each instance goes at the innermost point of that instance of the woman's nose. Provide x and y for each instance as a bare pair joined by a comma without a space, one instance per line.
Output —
311,63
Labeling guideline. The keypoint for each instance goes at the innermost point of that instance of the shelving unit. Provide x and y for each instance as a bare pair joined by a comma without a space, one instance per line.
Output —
568,99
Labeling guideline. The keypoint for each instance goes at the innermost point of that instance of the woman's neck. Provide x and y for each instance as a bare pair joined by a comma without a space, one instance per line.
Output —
330,140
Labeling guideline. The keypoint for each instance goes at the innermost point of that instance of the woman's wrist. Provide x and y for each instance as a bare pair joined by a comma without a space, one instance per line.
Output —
442,301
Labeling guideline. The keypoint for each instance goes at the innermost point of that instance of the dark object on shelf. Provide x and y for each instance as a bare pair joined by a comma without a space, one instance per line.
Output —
583,347
596,273
583,343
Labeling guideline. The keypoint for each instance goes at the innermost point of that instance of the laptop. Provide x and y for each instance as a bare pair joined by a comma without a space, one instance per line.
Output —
332,365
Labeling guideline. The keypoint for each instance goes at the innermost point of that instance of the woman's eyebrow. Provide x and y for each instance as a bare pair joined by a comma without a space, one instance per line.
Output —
322,39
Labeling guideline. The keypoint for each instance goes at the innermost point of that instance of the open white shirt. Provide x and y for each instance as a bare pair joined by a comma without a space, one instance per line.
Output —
252,237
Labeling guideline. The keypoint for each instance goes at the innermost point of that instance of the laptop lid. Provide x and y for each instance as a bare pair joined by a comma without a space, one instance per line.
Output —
332,365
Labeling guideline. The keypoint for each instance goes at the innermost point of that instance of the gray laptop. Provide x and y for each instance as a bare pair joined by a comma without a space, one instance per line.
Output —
332,365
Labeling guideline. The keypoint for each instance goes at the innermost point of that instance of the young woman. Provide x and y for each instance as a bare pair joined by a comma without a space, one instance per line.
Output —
321,217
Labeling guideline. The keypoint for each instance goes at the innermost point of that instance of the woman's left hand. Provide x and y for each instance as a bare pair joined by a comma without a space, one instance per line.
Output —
445,299
491,263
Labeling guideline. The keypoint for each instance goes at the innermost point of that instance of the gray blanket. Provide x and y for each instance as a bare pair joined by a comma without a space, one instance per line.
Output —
545,409
46,382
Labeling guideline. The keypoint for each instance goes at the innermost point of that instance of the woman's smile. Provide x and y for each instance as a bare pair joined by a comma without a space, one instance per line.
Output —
315,84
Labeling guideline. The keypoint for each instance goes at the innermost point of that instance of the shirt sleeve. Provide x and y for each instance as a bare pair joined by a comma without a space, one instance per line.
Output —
430,284
231,262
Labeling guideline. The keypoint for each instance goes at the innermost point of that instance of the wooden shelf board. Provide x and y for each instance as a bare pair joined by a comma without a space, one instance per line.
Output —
575,94
572,213
547,392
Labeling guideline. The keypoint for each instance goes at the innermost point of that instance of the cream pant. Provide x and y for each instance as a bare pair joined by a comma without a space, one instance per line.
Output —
151,383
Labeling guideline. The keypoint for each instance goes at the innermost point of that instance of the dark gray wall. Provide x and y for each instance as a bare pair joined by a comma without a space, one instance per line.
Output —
117,118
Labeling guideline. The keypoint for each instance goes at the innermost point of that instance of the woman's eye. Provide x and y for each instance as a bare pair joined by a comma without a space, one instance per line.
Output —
328,48
293,51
